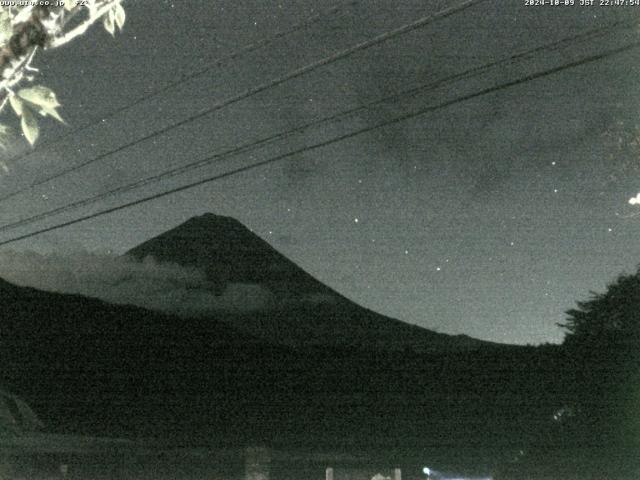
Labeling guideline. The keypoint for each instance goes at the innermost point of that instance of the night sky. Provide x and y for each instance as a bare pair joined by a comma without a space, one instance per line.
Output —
490,217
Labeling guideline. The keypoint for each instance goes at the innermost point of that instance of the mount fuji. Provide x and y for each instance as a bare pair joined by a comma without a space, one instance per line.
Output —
295,309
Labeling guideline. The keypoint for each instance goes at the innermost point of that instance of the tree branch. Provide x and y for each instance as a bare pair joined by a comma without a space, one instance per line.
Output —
84,26
25,29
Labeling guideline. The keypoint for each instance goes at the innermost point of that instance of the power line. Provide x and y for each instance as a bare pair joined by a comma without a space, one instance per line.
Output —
186,78
589,34
270,84
407,116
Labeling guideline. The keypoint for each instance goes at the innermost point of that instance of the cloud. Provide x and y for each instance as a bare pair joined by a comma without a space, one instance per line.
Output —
165,287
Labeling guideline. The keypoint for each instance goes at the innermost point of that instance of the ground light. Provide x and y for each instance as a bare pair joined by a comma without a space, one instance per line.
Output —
433,474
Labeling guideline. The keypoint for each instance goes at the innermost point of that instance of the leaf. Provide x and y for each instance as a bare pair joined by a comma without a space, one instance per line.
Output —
52,112
6,28
17,104
40,96
109,22
29,126
119,16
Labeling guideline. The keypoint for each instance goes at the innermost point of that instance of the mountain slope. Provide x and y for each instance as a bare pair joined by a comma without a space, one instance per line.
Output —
305,312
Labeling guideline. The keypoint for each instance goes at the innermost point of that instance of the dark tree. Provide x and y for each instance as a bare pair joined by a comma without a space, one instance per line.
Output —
608,321
602,347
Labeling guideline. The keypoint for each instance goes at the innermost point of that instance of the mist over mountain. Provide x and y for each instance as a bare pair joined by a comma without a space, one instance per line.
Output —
166,287
207,265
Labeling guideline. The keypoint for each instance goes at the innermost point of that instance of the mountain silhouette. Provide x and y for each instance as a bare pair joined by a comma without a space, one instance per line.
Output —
230,253
304,312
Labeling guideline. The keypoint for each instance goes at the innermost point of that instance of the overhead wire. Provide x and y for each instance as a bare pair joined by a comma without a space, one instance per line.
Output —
171,85
324,143
422,22
470,73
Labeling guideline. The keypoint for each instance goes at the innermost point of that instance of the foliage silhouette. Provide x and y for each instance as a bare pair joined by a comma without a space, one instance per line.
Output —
609,320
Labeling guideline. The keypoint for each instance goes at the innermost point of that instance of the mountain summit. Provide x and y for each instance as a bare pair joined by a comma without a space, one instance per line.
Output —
230,253
304,312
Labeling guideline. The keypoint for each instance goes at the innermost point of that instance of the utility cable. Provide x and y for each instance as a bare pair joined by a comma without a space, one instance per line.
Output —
470,73
422,22
401,118
181,81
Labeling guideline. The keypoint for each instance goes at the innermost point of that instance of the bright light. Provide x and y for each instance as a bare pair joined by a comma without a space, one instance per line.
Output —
426,471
